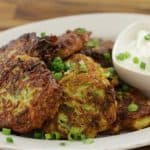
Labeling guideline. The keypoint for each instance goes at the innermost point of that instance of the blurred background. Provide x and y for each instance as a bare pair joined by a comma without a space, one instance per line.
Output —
17,12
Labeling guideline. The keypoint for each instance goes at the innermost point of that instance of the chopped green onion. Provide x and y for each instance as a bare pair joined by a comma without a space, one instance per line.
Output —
111,70
62,144
75,134
120,95
143,65
107,56
132,107
57,64
6,131
93,43
125,88
48,136
42,34
109,73
83,67
135,60
88,141
38,135
58,75
106,74
147,37
67,66
123,56
88,107
55,135
80,31
9,140
81,137
62,119
120,56
127,55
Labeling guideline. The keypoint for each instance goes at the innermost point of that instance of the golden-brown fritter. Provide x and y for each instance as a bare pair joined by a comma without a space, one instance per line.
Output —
89,105
125,120
48,47
28,94
24,44
71,42
128,120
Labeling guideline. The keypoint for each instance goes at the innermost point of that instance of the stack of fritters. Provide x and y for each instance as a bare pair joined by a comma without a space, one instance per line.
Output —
89,104
84,101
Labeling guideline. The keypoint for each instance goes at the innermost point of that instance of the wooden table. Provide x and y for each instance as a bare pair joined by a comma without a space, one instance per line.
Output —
17,12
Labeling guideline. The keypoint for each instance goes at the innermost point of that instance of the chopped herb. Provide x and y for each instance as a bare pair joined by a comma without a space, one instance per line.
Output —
127,55
82,67
132,107
6,131
42,34
93,43
135,60
120,95
125,87
88,141
88,107
58,75
143,65
120,56
147,37
109,72
48,136
123,56
38,135
107,56
62,120
62,144
81,137
9,140
80,31
57,64
55,135
75,134
106,74
67,66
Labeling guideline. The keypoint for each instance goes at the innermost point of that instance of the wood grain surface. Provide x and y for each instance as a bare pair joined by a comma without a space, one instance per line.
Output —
18,12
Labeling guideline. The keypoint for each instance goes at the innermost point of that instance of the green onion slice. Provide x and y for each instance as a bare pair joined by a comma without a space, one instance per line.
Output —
135,60
9,140
143,65
42,34
48,136
147,37
132,107
80,31
93,43
6,131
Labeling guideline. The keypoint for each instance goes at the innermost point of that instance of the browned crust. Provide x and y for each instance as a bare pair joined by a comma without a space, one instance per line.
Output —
45,99
126,119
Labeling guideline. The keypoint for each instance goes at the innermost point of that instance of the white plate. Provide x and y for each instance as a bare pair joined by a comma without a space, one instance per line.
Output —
106,26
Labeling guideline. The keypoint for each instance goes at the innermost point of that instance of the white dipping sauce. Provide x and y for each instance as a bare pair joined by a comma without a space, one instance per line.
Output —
140,48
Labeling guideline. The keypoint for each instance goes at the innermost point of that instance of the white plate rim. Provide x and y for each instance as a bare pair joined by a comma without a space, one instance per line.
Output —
100,143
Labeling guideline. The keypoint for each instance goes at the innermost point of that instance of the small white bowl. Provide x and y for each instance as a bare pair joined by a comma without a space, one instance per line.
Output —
135,78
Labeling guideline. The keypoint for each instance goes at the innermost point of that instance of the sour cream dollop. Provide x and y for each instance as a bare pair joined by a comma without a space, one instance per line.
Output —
136,55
